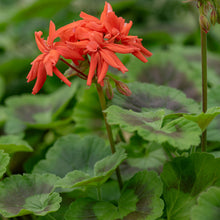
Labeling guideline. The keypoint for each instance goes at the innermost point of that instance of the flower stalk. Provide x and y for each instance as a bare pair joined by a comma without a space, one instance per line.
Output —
108,129
204,84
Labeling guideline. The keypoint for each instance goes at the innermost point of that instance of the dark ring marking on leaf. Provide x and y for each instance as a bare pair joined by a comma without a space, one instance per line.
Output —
20,196
137,121
172,77
137,101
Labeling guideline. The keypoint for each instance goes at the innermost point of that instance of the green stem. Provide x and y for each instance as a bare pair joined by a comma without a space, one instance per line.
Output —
79,73
108,129
99,196
204,83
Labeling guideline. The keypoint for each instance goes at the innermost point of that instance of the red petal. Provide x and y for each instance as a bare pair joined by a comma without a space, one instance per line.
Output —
107,55
33,72
41,78
40,41
52,31
88,17
107,9
49,69
69,53
103,72
119,48
93,65
126,28
61,76
140,56
113,60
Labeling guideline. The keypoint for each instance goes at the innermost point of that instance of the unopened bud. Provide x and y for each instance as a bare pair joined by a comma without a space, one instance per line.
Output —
108,90
122,88
213,17
204,23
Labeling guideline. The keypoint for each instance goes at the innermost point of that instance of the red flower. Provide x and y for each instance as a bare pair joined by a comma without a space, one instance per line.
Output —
98,38
117,31
101,39
45,64
102,55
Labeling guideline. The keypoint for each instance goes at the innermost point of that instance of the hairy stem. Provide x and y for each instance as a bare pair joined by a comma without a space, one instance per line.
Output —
108,129
204,83
79,73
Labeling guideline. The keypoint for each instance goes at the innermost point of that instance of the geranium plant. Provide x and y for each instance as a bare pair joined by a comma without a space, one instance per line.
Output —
159,164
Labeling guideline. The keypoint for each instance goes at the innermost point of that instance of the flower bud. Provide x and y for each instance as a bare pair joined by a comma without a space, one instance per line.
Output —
213,17
122,88
108,90
204,23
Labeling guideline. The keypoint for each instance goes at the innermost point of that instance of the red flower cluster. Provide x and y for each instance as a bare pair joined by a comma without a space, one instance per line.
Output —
97,38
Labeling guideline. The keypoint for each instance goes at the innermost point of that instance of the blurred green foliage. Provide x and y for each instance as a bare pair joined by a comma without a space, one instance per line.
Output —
169,29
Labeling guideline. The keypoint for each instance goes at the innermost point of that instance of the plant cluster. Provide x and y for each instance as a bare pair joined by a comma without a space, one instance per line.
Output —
121,149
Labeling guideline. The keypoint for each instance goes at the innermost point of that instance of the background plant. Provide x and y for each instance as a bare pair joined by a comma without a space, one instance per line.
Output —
58,136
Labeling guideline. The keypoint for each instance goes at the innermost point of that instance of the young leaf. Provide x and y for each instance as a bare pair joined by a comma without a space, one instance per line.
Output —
149,97
180,133
208,205
28,194
4,160
185,178
204,119
13,143
144,155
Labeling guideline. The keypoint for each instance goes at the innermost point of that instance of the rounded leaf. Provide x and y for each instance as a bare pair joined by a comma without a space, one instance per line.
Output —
28,194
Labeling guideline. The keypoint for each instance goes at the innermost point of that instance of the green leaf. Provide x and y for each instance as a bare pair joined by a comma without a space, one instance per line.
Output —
185,178
42,8
11,144
81,209
208,205
213,101
38,111
28,194
180,133
144,155
71,152
140,199
149,97
103,169
4,160
86,161
178,204
204,119
169,67
148,188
